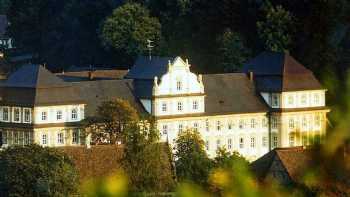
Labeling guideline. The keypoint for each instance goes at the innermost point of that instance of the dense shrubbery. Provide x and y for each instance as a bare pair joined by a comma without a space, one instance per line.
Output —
36,171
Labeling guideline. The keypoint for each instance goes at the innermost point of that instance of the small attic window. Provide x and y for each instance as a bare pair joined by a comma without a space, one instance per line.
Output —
221,102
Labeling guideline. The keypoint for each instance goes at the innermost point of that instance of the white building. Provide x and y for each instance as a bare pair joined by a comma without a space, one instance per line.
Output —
274,102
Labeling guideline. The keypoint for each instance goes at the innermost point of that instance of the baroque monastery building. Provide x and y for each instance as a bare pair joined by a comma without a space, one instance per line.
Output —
274,102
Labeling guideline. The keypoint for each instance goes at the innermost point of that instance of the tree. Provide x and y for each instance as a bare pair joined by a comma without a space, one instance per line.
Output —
276,30
232,51
225,159
191,160
129,28
146,161
37,171
112,118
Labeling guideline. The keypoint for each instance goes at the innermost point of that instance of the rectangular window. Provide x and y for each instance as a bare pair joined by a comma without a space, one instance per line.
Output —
60,138
274,100
218,144
253,123
241,142
275,141
165,129
179,106
317,99
16,115
180,128
164,107
178,85
264,141
195,126
303,99
291,123
44,139
229,144
218,125
290,100
43,115
26,138
75,136
304,140
252,142
229,125
27,115
5,114
74,114
241,124
207,145
207,125
304,122
317,120
291,140
4,137
195,105
59,115
274,122
15,138
264,123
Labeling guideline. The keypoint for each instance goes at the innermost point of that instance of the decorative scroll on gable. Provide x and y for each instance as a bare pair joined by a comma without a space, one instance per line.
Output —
179,80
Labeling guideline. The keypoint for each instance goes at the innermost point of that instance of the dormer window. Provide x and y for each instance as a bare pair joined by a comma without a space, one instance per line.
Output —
27,115
274,100
178,85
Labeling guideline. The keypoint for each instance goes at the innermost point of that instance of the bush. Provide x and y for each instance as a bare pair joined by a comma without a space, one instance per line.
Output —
36,171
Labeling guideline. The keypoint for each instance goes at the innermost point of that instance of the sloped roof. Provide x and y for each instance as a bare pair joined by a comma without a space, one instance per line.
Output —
34,85
3,25
97,75
293,160
146,68
276,71
96,92
33,76
231,93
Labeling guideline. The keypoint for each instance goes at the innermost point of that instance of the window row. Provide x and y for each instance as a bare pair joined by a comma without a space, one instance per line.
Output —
305,122
314,98
220,125
59,115
16,114
180,106
17,137
61,138
242,143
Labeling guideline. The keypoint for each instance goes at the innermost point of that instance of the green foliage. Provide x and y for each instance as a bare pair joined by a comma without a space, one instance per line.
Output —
225,159
36,171
232,50
112,117
4,5
146,161
191,160
128,29
276,30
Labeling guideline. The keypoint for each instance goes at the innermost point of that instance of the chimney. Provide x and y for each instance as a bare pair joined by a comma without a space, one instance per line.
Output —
251,76
91,75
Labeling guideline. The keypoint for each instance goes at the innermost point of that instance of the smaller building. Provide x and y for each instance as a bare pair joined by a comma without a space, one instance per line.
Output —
285,165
